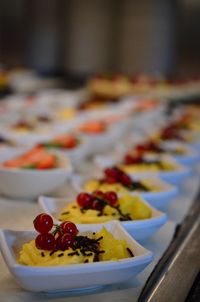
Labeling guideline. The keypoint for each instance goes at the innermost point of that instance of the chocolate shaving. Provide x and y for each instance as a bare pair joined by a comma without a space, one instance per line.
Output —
65,213
52,252
136,185
42,254
130,252
89,254
101,252
74,253
99,238
60,255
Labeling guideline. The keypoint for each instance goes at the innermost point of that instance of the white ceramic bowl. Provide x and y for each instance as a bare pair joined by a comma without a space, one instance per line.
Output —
76,276
159,200
24,183
173,177
191,157
28,138
139,229
100,141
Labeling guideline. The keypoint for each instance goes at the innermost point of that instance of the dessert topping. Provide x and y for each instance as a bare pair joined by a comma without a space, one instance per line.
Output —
99,200
116,175
63,237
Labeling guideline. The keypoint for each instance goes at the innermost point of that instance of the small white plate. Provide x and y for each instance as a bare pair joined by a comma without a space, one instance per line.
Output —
139,229
24,183
159,199
76,276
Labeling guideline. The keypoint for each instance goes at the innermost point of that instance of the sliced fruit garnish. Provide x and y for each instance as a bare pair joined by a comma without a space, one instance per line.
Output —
93,127
36,158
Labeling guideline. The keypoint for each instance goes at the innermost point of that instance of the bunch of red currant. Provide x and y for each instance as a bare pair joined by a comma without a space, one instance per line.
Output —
133,159
97,200
171,132
114,175
61,238
148,146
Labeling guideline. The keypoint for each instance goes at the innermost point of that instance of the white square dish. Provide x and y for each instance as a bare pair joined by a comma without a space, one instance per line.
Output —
190,157
173,177
159,199
75,276
139,229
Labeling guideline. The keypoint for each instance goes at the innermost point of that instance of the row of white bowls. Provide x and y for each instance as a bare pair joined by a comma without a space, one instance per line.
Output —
92,274
18,183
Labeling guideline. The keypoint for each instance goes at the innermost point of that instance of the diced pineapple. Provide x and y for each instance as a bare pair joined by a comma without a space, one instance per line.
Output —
91,185
134,206
118,250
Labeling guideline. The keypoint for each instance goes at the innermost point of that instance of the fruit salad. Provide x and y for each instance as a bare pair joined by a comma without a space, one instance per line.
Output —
65,141
118,181
99,207
63,245
37,158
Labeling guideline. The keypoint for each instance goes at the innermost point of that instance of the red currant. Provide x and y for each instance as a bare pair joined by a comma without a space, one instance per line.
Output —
45,241
111,173
128,159
98,193
111,196
126,180
141,148
65,241
132,159
68,227
43,223
97,205
110,180
84,200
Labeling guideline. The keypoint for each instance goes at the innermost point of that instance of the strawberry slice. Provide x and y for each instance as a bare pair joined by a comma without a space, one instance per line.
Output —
47,162
66,141
92,127
36,158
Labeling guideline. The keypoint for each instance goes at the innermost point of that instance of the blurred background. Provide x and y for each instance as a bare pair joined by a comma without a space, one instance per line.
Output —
78,38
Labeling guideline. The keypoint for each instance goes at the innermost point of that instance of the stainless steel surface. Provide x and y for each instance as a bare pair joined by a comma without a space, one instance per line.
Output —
179,267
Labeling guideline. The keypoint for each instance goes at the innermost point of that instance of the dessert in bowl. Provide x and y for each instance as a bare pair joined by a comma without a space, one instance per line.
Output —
111,86
162,166
53,239
29,173
139,218
98,134
191,138
28,131
38,267
158,193
71,144
92,127
182,153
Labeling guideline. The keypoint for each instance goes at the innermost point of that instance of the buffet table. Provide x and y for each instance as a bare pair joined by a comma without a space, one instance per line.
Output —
176,238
